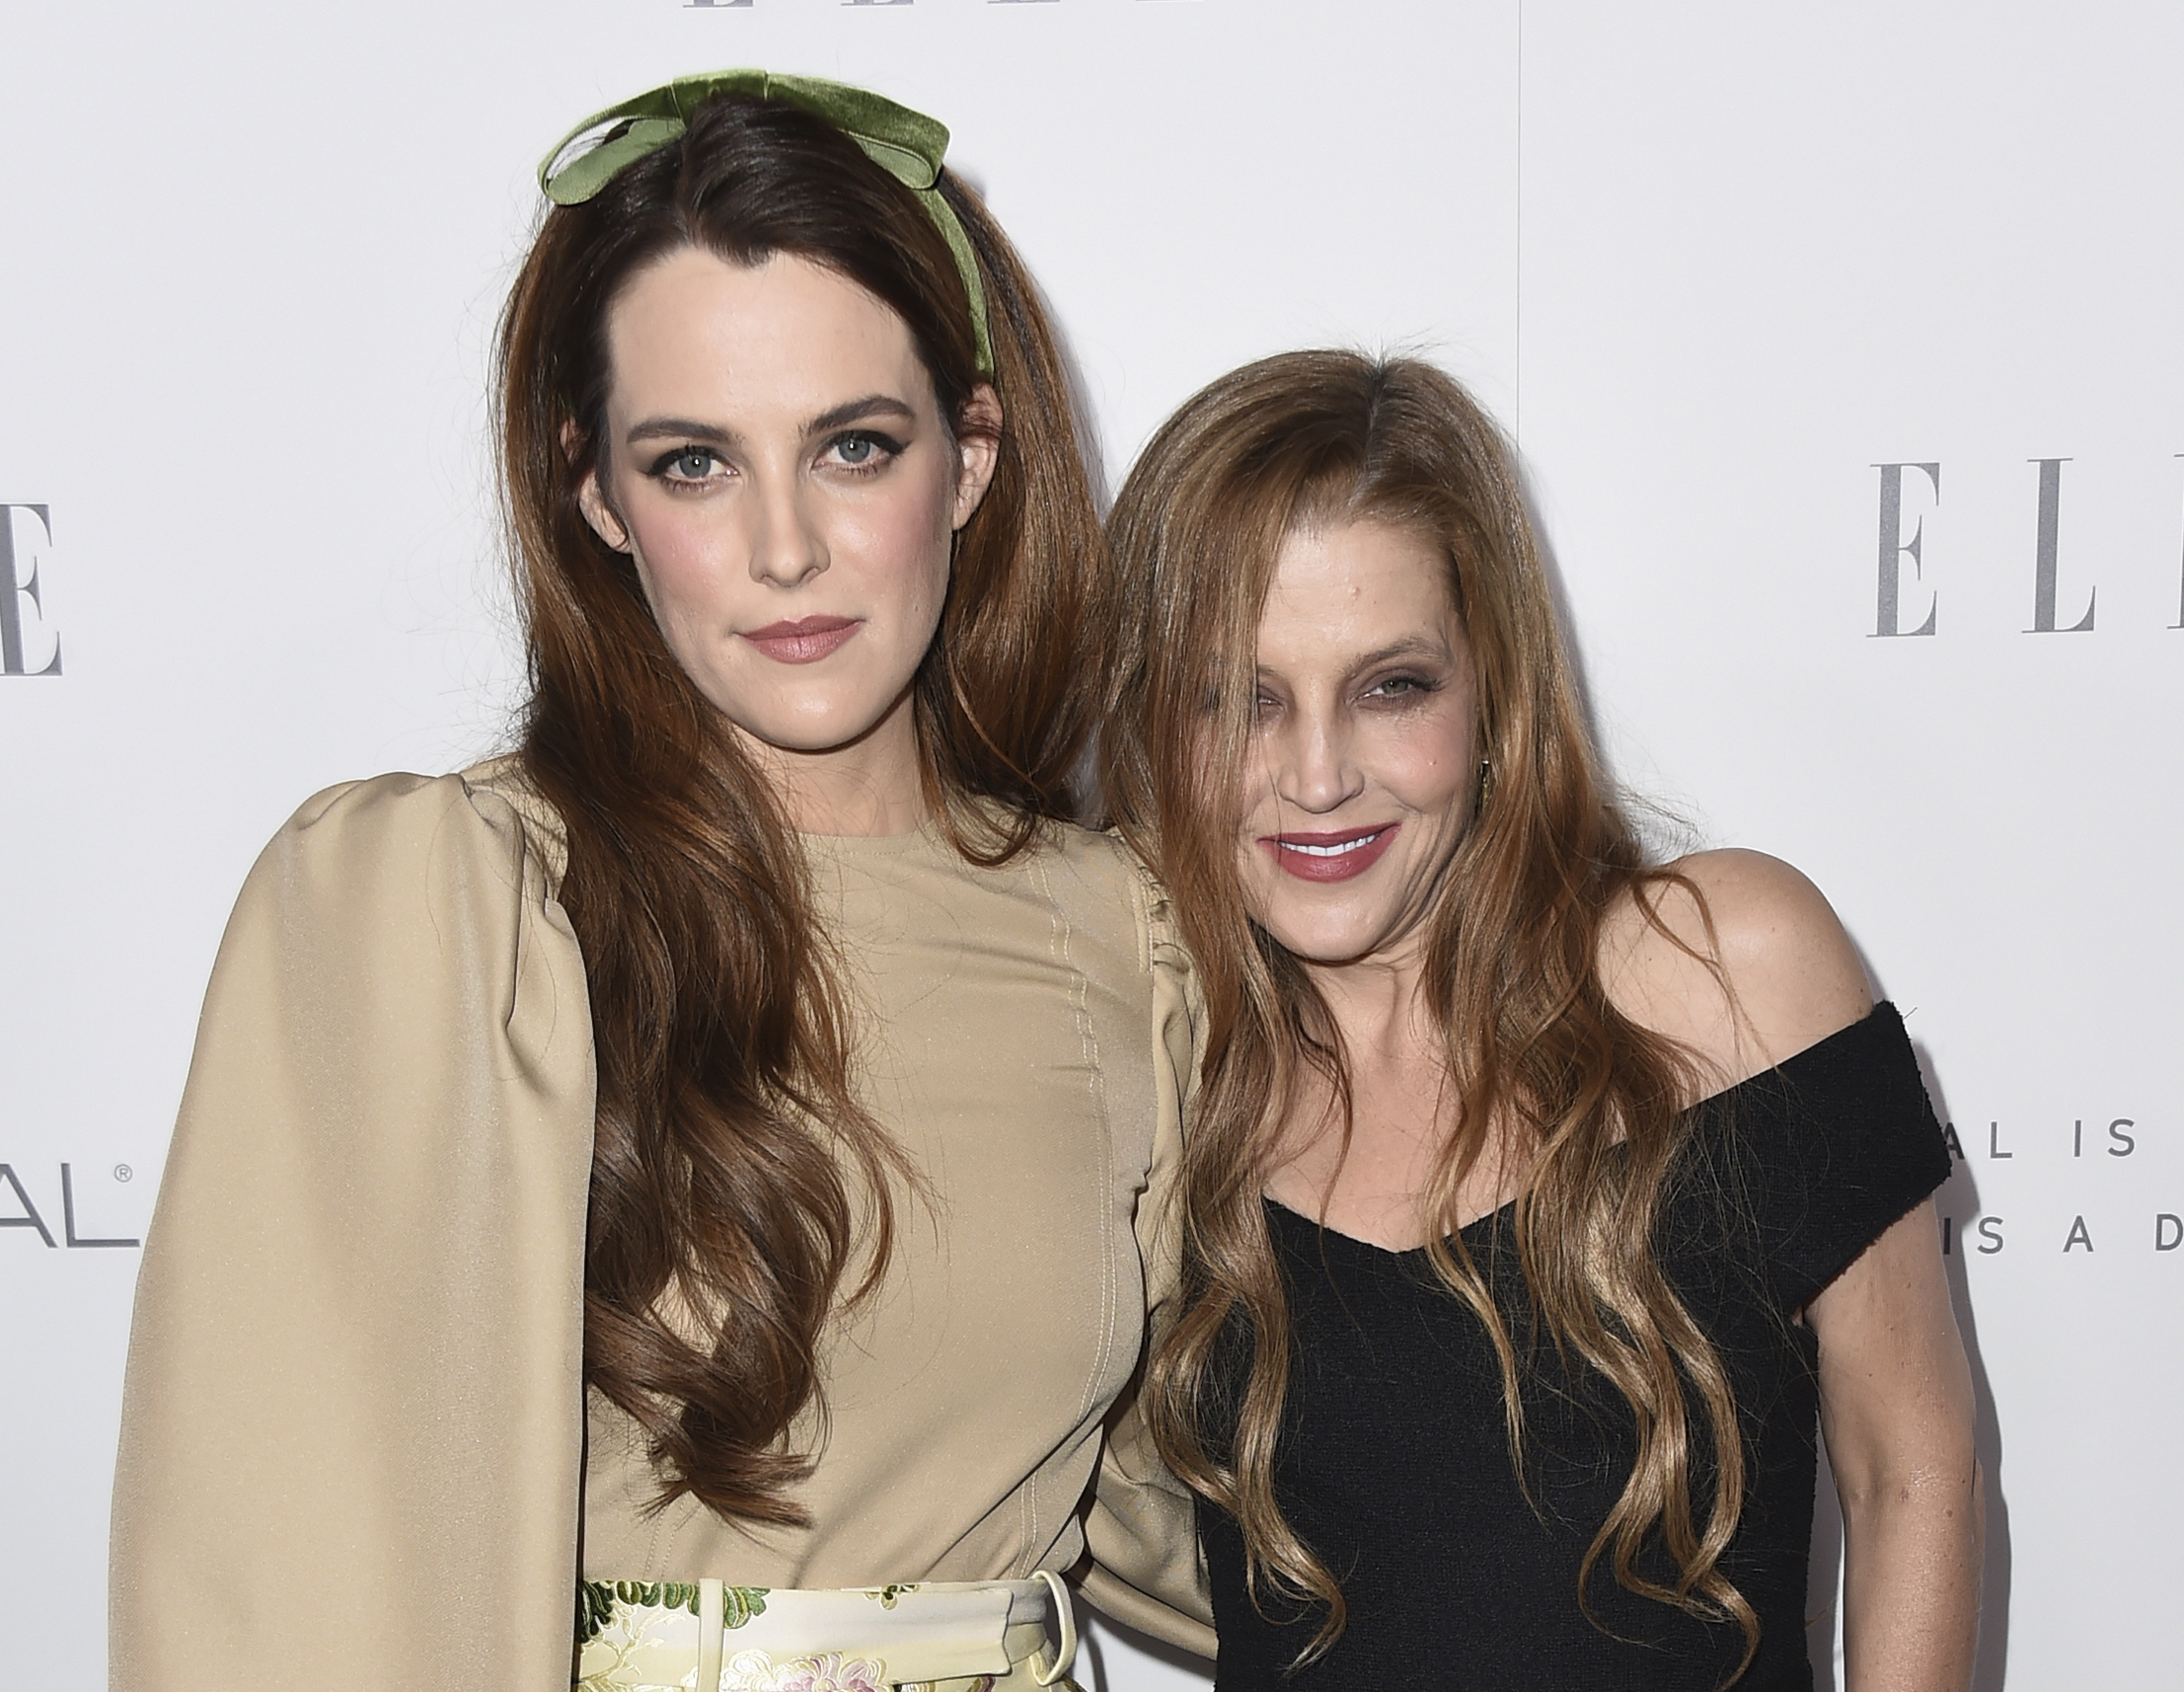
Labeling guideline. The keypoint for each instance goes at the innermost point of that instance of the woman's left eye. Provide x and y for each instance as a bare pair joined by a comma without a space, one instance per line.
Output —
1398,687
862,450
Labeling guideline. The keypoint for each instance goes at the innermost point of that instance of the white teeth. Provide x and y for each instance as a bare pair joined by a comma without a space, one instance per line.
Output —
1332,851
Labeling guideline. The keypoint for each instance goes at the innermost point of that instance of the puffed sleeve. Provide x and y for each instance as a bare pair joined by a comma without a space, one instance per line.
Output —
351,1439
1142,1529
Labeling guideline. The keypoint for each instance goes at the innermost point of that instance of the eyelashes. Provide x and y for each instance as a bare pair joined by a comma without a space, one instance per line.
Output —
856,452
692,461
1404,689
1389,691
863,450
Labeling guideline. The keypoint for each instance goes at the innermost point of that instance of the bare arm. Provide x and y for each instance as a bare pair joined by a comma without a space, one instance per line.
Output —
1766,932
1895,1409
1895,1389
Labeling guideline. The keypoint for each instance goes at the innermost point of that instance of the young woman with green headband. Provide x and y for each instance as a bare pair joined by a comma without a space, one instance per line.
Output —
700,1172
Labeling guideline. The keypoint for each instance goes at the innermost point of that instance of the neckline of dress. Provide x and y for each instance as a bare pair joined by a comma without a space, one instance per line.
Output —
910,842
1485,1217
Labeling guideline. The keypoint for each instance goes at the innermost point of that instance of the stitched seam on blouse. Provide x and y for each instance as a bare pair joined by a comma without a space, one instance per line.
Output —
657,1555
1095,1083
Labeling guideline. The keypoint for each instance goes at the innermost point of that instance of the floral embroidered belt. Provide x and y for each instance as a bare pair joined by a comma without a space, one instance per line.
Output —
935,1636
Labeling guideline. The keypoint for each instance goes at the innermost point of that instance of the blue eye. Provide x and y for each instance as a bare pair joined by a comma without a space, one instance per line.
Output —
863,450
687,464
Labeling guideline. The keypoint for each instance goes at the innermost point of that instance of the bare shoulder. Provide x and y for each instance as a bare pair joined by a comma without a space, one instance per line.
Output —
1738,956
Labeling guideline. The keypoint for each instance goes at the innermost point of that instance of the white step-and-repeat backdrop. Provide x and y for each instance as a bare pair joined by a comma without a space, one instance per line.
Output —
1843,345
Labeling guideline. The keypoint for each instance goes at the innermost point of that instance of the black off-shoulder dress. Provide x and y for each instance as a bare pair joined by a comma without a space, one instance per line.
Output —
1395,1467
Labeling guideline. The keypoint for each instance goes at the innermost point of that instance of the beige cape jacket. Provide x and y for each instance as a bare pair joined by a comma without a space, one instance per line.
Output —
355,1450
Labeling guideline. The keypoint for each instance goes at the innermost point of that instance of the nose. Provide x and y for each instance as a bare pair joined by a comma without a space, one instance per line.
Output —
1312,768
787,546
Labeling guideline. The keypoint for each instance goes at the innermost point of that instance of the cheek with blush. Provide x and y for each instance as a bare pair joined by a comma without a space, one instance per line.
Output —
899,554
1425,763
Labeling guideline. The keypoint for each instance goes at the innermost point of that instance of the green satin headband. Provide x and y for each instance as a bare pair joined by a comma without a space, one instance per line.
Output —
907,144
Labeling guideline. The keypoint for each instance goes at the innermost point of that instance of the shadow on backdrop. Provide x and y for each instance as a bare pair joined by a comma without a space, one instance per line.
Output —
1091,1672
1959,1198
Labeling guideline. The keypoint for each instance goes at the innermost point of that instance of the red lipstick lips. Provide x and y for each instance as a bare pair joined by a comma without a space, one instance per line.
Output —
1334,857
805,641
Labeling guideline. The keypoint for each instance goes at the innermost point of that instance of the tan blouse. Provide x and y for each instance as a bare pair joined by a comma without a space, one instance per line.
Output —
355,1450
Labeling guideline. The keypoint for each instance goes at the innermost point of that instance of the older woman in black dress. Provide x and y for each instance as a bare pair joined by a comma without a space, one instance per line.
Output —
1544,1201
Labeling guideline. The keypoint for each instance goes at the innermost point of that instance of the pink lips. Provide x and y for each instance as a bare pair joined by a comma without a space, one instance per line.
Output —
805,641
1332,857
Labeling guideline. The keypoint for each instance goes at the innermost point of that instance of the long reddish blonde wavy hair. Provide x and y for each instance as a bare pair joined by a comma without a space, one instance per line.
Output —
735,1179
1547,1072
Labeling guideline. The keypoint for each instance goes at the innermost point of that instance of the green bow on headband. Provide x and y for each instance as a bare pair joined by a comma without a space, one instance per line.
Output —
907,144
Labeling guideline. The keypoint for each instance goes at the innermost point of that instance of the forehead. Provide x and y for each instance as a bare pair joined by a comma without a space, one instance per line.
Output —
697,335
1346,588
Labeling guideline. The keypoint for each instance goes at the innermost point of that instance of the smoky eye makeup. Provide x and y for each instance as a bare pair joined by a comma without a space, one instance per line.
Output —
862,450
1403,687
685,466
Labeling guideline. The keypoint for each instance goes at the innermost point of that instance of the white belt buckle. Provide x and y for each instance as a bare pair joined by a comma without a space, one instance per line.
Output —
1065,1622
711,1609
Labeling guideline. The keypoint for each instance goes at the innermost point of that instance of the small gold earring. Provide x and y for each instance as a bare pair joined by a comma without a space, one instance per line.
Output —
1485,782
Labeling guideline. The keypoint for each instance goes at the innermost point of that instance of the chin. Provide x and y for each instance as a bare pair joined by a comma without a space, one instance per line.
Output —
805,725
1329,943
805,736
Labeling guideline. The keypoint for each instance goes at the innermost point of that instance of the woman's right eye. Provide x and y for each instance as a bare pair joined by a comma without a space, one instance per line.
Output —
687,464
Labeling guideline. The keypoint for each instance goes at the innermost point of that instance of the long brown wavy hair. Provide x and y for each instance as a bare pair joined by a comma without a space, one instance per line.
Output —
1547,1073
738,1190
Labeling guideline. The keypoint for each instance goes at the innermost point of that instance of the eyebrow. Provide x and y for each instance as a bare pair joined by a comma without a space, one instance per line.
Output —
1409,647
871,406
680,428
713,435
